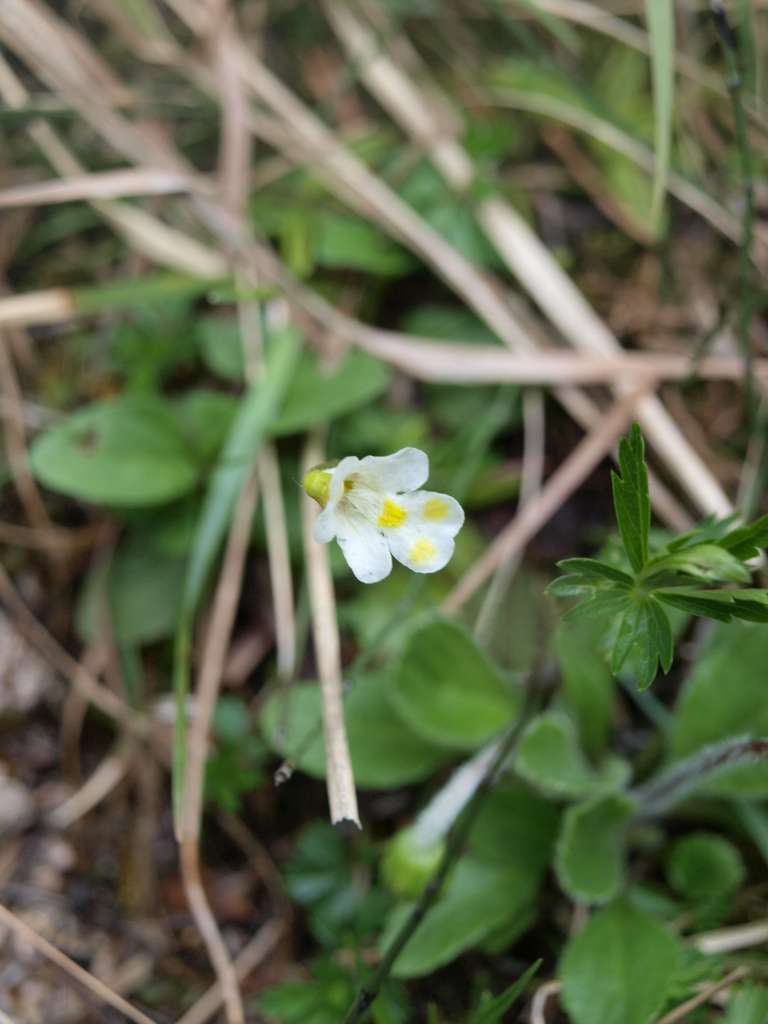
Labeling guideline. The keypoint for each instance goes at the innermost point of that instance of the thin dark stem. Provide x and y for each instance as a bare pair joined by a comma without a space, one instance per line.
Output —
734,82
453,849
674,785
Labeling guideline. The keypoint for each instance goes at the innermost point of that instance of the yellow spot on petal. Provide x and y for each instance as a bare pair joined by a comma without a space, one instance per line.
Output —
422,551
436,509
392,515
348,485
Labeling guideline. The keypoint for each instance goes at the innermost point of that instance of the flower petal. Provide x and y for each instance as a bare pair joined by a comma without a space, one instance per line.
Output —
339,474
421,550
364,547
405,470
324,526
435,513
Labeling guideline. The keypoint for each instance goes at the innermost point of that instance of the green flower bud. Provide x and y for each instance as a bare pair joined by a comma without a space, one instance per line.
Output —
408,865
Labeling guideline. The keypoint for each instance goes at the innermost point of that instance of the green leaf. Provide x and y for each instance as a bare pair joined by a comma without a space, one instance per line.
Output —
725,695
660,16
645,636
704,866
317,396
448,691
478,898
385,751
723,605
631,500
592,569
704,561
590,851
205,417
142,590
619,969
548,756
587,684
128,452
602,604
515,825
747,1004
343,240
747,541
492,1011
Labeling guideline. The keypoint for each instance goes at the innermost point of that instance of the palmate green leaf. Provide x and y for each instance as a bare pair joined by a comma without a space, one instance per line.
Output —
619,969
590,568
645,633
723,605
747,541
601,604
707,562
631,499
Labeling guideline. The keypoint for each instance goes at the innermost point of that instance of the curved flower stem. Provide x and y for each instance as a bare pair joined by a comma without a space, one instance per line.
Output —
368,993
674,785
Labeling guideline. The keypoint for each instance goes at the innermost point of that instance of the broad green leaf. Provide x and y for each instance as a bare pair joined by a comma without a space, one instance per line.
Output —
619,969
127,452
205,418
631,501
221,347
478,898
385,751
660,15
725,695
318,396
704,866
548,756
141,588
515,825
343,240
448,691
492,1010
587,684
590,851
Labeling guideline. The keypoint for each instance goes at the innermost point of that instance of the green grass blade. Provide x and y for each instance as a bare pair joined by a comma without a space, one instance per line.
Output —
660,15
259,407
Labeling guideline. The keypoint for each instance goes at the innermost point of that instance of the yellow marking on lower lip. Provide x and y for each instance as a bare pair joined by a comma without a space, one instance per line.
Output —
422,551
436,509
392,515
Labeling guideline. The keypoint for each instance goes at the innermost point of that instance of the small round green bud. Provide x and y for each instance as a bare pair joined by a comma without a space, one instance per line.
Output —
317,483
407,865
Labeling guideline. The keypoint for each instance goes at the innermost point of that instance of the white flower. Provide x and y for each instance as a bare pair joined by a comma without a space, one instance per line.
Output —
373,507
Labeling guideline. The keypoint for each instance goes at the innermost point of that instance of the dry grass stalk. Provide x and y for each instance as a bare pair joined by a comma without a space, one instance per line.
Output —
325,631
102,185
563,482
77,674
541,997
728,940
249,958
534,444
15,437
101,991
109,774
214,654
523,252
681,1012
